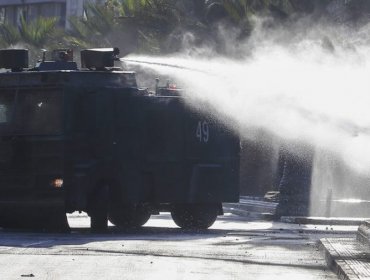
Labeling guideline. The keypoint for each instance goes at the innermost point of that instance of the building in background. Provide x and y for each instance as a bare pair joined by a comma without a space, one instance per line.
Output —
11,11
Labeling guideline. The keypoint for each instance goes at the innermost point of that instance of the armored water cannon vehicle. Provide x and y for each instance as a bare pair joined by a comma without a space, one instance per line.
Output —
90,140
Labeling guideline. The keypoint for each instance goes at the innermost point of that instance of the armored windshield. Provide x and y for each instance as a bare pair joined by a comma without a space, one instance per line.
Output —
31,112
6,107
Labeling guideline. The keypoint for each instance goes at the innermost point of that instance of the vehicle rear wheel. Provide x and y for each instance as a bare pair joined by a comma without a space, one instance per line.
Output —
129,215
195,216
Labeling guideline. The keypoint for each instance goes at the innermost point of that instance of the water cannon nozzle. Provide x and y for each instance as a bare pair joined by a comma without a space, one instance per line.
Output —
43,54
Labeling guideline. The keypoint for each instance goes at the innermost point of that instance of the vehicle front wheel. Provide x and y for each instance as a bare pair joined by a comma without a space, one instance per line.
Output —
195,216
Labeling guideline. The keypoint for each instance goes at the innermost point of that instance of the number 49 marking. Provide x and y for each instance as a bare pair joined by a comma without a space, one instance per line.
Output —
202,132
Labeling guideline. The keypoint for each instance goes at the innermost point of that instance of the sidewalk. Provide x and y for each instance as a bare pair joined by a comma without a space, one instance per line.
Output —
258,208
348,257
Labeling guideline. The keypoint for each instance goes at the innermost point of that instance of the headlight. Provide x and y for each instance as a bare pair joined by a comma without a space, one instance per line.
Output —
57,183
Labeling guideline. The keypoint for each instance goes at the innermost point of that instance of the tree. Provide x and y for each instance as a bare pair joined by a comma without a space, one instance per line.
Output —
38,32
9,35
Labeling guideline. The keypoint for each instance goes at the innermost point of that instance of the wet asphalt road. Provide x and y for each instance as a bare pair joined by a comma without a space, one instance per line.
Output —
234,248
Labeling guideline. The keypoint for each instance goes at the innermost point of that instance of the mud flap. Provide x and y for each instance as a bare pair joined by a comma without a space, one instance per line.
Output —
36,217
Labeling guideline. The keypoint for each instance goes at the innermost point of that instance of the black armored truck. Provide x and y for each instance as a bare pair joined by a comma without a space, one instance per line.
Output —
89,139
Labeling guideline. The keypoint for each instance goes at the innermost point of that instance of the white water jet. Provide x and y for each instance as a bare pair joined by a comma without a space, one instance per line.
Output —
308,95
310,88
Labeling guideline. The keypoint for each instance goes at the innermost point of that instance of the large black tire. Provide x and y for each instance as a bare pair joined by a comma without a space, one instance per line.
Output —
129,215
98,209
195,216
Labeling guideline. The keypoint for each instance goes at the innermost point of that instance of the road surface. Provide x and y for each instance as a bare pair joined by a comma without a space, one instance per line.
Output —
234,248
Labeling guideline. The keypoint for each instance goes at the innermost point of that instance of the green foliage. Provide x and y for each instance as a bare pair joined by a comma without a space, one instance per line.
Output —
239,9
93,28
154,22
99,19
241,12
130,7
9,35
79,31
37,32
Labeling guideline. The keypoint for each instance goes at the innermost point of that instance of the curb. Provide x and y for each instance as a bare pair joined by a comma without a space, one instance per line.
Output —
254,206
323,221
249,214
363,233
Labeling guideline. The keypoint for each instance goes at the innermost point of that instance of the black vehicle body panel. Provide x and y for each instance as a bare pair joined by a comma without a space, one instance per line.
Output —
156,149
